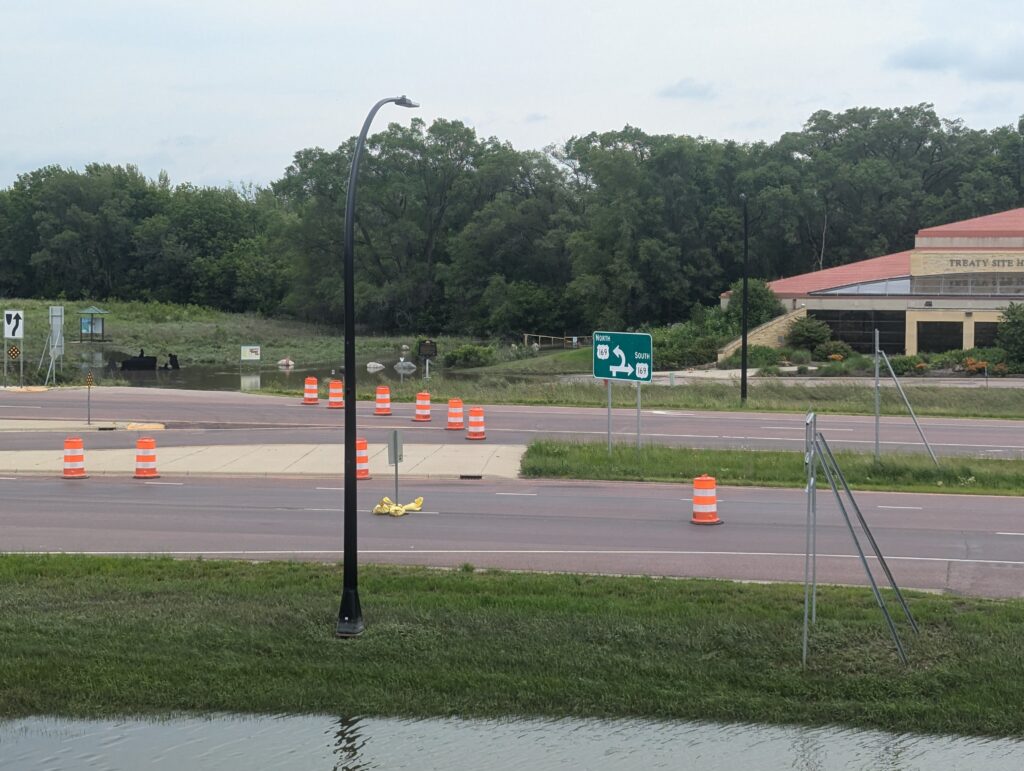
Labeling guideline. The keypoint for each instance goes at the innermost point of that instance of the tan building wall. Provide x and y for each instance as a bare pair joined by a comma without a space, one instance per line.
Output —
968,318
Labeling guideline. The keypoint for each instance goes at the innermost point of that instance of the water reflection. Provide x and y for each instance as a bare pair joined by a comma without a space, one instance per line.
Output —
360,744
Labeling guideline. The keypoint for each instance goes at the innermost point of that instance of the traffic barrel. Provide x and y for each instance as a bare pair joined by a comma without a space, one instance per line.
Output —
422,407
336,395
383,406
705,501
476,424
145,458
455,420
362,459
311,394
74,458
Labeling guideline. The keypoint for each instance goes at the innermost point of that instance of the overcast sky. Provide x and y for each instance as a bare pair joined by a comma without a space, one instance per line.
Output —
225,91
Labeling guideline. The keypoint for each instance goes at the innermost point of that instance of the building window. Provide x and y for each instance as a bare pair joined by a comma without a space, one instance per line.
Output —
985,334
939,336
857,328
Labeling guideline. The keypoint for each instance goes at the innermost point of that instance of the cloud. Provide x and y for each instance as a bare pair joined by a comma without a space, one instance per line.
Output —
688,88
536,117
992,64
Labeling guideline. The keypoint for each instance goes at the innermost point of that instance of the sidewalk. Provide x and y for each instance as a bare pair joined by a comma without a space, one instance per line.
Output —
424,461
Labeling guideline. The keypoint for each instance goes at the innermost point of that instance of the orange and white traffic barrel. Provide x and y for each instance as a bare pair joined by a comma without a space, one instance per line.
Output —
74,458
476,424
705,501
311,394
145,458
383,406
362,459
422,407
336,395
455,419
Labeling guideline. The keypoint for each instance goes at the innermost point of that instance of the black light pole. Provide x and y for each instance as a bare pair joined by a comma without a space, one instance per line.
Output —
743,315
350,615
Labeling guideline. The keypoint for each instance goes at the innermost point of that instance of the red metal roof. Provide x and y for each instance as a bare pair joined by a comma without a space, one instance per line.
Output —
874,269
1005,223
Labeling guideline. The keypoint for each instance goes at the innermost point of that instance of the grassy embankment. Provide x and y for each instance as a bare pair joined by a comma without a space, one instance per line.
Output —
769,468
101,636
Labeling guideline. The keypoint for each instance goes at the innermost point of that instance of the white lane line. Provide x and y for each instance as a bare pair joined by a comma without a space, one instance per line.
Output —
801,428
360,511
18,407
914,508
515,493
8,479
1009,533
175,484
568,552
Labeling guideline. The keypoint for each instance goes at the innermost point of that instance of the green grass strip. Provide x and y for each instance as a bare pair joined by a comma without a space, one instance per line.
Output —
91,636
771,468
769,395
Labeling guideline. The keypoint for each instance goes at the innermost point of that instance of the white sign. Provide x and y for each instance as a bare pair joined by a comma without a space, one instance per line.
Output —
250,353
14,325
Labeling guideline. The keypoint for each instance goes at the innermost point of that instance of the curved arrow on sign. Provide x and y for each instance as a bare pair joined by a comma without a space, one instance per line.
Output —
626,369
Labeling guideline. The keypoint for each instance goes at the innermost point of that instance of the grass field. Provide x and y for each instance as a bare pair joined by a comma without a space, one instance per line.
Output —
89,636
770,468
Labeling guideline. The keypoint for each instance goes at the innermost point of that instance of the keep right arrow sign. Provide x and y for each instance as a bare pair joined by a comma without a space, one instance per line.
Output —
14,328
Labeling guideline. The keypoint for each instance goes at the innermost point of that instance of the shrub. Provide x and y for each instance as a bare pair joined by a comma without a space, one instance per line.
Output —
769,371
802,369
902,365
762,304
808,332
470,355
757,356
800,357
832,348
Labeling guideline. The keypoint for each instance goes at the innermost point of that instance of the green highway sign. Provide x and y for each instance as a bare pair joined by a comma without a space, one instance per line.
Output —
623,356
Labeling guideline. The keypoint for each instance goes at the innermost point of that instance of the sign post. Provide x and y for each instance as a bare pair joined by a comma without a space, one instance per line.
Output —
624,356
395,455
88,397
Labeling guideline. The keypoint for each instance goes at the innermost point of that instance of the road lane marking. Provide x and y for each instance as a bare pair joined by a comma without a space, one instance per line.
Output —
565,552
914,508
165,483
329,488
18,407
1009,533
8,479
515,493
801,428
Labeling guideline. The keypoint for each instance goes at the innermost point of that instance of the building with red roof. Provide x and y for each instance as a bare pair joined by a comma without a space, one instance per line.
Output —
946,293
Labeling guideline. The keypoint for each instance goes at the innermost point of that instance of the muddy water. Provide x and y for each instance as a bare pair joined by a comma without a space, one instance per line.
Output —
358,744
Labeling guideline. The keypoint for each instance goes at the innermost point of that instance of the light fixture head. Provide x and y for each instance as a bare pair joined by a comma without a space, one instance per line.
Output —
404,101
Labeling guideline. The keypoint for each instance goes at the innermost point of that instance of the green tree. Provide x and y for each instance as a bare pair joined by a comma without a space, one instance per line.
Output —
1010,332
762,304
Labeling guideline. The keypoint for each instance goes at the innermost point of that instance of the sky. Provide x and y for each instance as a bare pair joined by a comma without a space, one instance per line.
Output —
224,92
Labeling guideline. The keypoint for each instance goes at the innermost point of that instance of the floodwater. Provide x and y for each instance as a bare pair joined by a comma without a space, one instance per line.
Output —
246,376
317,743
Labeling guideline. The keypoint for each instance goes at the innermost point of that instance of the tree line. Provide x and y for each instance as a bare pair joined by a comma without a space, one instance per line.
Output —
460,234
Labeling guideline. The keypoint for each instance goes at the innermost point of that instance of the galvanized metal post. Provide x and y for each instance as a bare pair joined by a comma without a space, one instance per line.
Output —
878,402
638,416
608,385
906,401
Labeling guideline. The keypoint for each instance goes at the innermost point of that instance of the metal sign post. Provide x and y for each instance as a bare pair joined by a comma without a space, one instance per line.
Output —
395,455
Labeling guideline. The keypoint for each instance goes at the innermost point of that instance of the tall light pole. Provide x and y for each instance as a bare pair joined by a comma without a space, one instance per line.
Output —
350,615
743,313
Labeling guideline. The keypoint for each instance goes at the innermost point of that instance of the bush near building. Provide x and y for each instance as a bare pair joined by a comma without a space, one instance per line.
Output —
808,332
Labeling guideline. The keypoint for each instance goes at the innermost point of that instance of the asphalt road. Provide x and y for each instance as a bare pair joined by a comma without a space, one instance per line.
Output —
202,417
951,543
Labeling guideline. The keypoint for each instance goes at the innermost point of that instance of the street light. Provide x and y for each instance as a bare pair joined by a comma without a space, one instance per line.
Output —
743,314
350,615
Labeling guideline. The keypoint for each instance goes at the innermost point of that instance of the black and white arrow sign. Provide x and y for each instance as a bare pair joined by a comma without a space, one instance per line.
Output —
13,328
